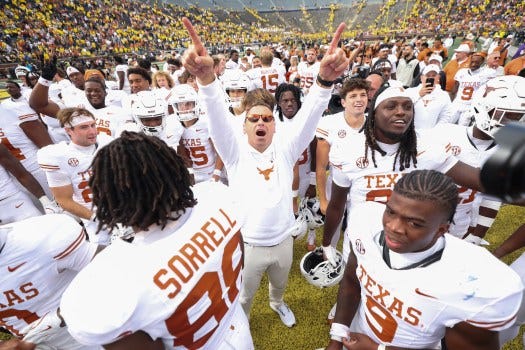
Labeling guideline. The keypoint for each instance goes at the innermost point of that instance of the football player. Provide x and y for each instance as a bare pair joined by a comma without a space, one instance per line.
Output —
307,70
41,255
500,101
23,133
182,273
407,283
267,77
16,205
467,82
68,166
195,138
367,165
110,119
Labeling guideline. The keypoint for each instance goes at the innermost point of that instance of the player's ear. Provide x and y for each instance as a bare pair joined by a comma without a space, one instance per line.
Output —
443,228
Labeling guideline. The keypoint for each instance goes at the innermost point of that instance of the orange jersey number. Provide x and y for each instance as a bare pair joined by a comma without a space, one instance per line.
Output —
16,152
380,196
380,321
463,192
270,82
466,94
198,155
86,191
25,315
183,324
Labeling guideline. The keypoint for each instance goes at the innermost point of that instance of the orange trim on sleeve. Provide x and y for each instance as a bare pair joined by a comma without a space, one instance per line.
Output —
25,116
492,325
72,247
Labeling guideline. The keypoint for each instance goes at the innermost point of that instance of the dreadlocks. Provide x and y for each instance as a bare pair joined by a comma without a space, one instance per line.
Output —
429,185
138,180
407,145
281,89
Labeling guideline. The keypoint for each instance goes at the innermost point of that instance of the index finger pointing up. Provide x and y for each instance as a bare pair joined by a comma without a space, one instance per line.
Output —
195,39
337,36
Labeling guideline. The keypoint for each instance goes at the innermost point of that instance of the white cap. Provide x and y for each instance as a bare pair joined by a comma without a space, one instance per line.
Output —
470,36
435,57
70,70
463,48
510,36
431,68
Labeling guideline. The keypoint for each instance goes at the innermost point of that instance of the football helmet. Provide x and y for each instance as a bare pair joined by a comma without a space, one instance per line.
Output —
311,209
300,226
500,101
185,102
147,105
320,272
21,71
234,79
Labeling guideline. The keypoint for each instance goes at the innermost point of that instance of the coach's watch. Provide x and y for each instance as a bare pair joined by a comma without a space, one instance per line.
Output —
324,83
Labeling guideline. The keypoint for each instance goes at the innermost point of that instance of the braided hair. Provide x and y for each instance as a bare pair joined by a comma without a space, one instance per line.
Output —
429,185
138,180
407,146
281,89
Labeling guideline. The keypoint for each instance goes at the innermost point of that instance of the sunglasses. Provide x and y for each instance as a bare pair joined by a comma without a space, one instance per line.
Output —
254,118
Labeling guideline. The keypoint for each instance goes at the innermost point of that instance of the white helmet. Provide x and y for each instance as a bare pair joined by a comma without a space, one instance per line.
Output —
235,79
181,95
320,272
147,105
311,209
500,101
300,226
21,71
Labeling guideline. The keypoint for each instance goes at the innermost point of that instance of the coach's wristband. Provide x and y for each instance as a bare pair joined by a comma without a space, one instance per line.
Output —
217,172
45,82
324,83
381,347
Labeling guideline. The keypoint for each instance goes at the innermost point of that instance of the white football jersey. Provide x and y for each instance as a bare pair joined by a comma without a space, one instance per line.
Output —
70,164
196,140
460,143
413,307
370,183
110,119
308,74
74,97
7,186
470,81
39,258
14,113
181,283
334,129
267,78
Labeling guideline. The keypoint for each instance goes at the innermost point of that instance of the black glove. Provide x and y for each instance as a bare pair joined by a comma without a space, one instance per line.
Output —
49,68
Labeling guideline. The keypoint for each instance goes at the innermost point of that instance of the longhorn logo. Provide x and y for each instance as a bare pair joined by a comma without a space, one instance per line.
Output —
266,172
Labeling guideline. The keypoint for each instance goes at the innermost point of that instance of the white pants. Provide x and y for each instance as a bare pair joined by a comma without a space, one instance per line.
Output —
277,261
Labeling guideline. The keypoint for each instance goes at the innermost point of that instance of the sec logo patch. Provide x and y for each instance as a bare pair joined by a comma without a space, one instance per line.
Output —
72,162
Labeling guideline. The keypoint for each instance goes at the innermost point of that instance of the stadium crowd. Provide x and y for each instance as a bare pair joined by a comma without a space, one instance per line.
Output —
229,157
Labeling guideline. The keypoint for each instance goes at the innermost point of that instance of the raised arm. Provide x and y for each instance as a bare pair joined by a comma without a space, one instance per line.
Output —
39,99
